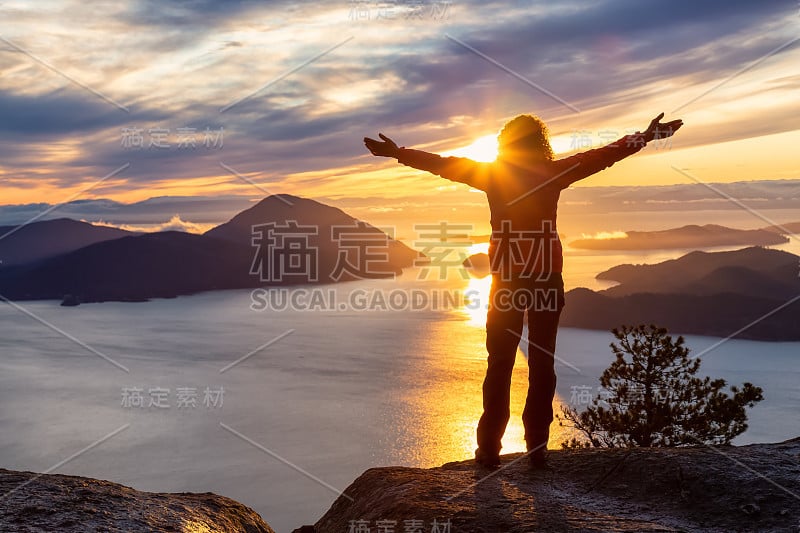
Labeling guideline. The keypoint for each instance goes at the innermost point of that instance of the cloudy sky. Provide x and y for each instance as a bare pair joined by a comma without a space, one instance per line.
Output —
129,101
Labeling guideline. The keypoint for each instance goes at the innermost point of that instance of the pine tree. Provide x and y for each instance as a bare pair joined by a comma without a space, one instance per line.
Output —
653,397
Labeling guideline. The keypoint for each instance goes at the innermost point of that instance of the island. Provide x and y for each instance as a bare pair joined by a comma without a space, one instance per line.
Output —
752,293
255,248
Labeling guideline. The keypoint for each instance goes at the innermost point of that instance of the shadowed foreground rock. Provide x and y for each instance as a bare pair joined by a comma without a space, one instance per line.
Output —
748,488
77,504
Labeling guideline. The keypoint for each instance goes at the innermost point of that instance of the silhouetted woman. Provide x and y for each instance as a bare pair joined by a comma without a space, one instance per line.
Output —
523,186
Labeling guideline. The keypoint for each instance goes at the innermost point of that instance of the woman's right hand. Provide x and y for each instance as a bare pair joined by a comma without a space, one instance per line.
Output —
387,148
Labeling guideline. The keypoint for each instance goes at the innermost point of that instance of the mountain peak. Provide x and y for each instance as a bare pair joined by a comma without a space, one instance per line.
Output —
285,198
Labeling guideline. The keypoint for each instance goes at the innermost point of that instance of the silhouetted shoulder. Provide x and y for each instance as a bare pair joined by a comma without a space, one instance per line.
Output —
461,169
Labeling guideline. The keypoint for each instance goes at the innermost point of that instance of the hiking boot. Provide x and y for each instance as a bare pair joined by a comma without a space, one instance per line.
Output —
489,460
538,458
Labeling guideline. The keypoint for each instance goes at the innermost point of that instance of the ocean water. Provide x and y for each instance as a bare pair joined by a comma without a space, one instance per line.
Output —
281,409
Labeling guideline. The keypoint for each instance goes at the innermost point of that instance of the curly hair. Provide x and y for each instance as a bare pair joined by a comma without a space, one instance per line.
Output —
527,132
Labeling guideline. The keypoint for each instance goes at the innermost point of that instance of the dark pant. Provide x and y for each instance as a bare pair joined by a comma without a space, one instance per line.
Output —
543,299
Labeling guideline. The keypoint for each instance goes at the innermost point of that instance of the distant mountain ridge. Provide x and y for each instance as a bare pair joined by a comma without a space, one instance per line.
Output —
689,236
153,265
576,201
49,238
167,264
785,229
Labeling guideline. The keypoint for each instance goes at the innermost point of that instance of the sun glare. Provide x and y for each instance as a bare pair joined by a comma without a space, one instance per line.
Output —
482,149
605,235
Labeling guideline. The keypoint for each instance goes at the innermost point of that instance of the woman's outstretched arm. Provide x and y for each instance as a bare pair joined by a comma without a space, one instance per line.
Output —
584,164
460,169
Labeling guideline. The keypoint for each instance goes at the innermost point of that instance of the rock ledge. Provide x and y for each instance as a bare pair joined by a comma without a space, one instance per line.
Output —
50,502
726,488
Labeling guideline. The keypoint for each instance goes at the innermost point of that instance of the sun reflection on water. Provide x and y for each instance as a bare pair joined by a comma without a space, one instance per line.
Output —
439,424
476,296
476,292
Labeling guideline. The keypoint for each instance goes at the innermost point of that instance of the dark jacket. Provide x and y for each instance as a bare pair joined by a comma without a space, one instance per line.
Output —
523,199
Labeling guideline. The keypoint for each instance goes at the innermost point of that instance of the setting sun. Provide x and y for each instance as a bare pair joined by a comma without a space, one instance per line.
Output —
482,149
